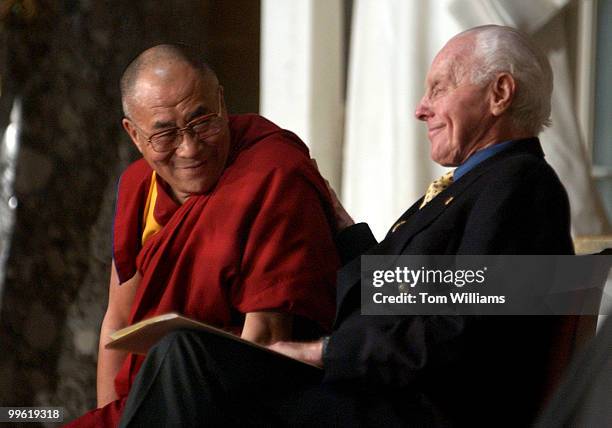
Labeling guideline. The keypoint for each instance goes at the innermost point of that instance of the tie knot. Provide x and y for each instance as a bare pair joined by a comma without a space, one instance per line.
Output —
437,186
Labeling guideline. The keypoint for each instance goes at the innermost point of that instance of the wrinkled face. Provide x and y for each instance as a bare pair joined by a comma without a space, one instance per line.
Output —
171,98
455,110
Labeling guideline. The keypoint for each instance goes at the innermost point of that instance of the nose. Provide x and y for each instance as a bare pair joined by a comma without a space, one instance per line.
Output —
189,146
423,112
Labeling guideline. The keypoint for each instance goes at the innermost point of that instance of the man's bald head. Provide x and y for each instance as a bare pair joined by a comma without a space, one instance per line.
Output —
159,60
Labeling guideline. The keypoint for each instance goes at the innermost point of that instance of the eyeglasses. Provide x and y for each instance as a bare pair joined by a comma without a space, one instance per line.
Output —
202,128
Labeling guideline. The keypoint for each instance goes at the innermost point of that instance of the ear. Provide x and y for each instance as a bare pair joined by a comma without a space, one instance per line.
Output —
132,132
503,88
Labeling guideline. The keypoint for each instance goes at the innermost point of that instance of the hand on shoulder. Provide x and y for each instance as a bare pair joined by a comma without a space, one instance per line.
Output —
343,218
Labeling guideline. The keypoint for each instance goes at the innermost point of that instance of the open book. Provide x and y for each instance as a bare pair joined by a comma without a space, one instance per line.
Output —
140,337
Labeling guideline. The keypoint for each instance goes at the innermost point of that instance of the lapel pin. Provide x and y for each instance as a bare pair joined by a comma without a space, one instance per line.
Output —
448,200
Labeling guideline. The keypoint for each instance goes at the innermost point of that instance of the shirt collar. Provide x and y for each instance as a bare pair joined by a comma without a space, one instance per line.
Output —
478,157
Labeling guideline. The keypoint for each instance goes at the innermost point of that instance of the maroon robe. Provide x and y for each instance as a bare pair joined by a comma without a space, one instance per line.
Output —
260,240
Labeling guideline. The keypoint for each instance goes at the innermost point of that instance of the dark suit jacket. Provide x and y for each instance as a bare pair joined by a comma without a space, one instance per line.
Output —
475,370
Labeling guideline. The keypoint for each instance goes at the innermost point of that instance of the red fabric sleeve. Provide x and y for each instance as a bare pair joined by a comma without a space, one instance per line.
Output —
290,259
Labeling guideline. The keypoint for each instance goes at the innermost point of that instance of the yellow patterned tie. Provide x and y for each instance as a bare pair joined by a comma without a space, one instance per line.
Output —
436,187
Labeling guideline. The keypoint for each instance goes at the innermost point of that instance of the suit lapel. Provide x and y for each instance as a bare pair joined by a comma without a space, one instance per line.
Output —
417,220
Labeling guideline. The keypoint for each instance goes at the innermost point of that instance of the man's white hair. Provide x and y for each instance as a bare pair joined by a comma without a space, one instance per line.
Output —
504,49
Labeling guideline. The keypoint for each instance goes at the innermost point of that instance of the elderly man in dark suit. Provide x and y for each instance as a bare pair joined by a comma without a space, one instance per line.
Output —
487,98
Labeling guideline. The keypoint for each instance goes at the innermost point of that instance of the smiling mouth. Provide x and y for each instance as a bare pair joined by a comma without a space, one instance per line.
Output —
434,130
193,166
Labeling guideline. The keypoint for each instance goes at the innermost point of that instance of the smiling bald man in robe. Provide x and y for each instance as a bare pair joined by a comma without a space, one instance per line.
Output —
224,219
